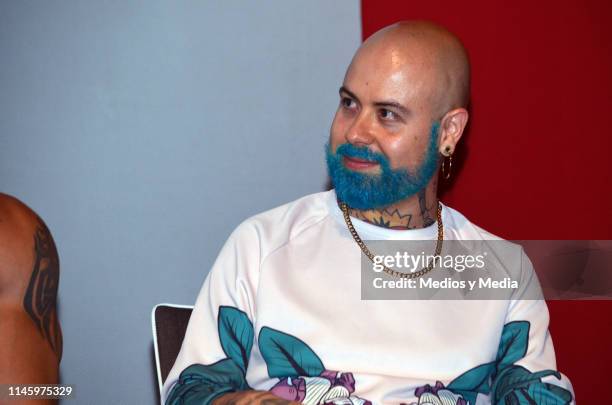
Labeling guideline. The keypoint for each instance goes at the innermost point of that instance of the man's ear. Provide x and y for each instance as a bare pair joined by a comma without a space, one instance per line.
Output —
451,126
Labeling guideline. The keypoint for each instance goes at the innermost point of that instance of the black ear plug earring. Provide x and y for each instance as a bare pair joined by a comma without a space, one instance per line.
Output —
447,163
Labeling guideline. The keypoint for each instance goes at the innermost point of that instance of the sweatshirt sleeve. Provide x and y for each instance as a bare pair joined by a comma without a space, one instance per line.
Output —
526,366
215,352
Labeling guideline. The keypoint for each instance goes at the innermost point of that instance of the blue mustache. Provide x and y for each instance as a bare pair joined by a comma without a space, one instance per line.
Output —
361,152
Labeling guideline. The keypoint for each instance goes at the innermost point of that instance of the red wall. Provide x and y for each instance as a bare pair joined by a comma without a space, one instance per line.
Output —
534,162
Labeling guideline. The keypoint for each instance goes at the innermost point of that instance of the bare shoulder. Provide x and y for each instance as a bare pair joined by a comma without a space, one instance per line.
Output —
15,215
30,336
24,238
16,218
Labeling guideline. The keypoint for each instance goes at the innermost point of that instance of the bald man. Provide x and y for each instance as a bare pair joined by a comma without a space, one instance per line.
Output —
30,334
280,318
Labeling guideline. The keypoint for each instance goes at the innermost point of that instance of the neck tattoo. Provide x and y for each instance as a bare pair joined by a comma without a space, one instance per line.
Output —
419,213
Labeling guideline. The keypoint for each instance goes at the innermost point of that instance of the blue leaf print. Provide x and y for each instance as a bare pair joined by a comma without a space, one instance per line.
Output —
513,344
541,393
516,383
236,335
473,381
200,385
506,382
287,356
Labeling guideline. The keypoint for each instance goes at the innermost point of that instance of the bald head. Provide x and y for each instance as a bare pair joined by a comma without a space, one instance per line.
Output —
402,101
433,58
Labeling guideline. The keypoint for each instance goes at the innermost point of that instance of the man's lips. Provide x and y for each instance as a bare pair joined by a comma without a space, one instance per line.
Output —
358,164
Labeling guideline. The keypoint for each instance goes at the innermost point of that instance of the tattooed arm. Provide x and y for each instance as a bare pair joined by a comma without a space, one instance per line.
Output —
30,335
252,398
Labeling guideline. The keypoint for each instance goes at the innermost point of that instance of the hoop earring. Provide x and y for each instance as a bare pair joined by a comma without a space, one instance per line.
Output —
446,173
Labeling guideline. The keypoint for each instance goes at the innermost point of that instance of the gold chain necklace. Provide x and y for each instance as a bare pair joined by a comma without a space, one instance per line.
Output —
395,273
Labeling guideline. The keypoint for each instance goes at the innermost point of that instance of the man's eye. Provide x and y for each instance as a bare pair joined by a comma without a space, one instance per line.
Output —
347,102
386,114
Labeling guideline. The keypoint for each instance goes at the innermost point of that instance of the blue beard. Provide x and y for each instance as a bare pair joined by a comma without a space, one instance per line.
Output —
369,191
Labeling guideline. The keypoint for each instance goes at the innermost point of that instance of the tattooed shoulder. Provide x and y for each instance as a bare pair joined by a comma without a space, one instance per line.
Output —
40,299
29,267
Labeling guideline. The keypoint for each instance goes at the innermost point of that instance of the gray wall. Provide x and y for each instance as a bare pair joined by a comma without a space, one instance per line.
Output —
143,133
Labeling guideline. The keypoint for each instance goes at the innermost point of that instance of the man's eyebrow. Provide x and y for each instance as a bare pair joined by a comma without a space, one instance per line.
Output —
392,104
347,91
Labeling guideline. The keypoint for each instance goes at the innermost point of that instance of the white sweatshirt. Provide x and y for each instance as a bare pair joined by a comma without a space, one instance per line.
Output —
281,310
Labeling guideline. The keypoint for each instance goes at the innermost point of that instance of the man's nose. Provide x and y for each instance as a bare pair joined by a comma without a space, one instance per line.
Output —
360,133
